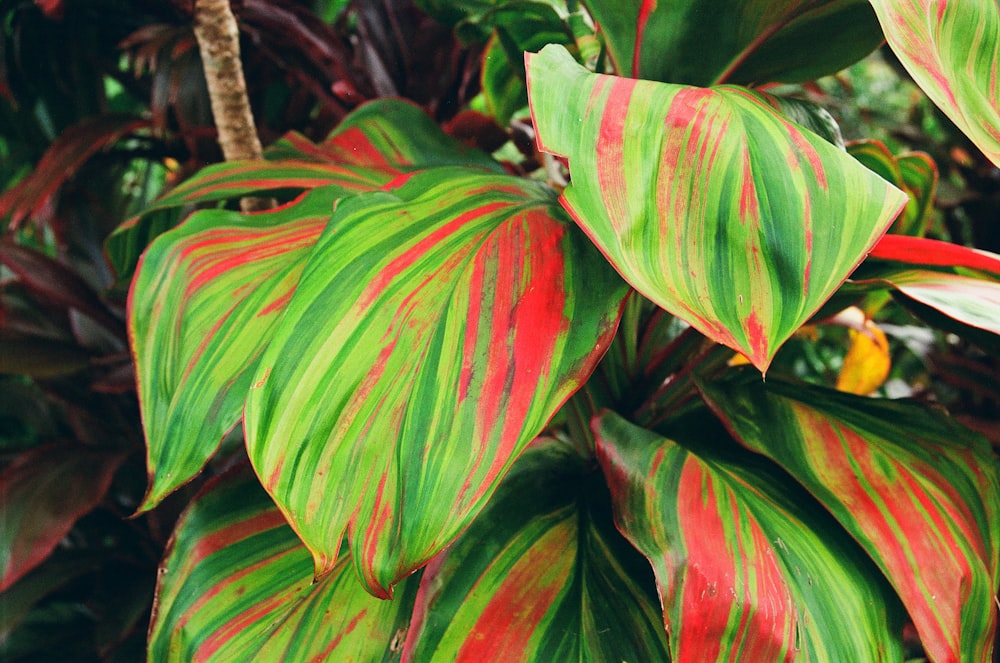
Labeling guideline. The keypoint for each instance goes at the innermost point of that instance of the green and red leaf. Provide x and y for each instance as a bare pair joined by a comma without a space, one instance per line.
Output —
750,42
541,575
237,585
748,567
378,142
917,491
436,328
934,253
913,172
203,305
952,51
36,512
707,201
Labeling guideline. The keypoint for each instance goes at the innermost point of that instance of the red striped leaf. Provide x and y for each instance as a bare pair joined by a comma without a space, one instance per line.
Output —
376,143
236,585
952,51
935,253
436,328
204,303
707,201
748,567
750,42
541,575
918,492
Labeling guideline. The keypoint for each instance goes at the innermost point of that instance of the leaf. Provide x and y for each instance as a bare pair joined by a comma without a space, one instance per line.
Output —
372,146
436,328
951,49
541,575
920,494
750,42
933,252
747,566
61,161
913,172
942,297
43,493
205,301
236,585
867,363
707,201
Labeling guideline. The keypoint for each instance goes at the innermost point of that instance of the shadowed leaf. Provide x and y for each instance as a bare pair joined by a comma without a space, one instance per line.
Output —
541,575
236,585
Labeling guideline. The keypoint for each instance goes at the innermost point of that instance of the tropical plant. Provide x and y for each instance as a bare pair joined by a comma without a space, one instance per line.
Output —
527,381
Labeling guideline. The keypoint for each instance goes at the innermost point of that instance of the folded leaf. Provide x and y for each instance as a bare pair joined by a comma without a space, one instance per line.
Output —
541,575
952,50
236,585
882,468
436,328
707,201
206,299
748,567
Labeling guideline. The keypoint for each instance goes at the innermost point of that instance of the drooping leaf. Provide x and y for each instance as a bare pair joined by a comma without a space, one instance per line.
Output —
43,493
204,303
436,328
734,42
952,51
748,567
541,575
707,201
375,144
236,585
916,490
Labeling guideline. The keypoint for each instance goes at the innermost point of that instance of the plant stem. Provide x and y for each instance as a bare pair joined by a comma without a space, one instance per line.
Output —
219,42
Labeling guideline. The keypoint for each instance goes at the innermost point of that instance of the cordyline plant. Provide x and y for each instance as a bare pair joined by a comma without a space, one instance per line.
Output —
495,413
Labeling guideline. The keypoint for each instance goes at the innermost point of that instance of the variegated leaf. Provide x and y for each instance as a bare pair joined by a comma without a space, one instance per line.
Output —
541,575
703,42
436,328
952,51
917,491
748,567
913,172
934,253
707,201
374,144
236,585
203,305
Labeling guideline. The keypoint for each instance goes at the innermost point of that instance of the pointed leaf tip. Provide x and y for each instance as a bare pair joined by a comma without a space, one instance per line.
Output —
706,200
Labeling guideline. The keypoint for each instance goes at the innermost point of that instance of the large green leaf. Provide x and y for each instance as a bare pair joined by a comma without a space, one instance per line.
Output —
203,305
749,568
703,42
706,200
237,585
952,50
541,575
374,144
436,328
920,493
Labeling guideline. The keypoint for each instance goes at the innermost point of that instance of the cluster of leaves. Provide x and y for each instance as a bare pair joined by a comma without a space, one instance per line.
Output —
498,340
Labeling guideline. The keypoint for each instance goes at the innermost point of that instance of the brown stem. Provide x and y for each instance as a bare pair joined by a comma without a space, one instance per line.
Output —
219,42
